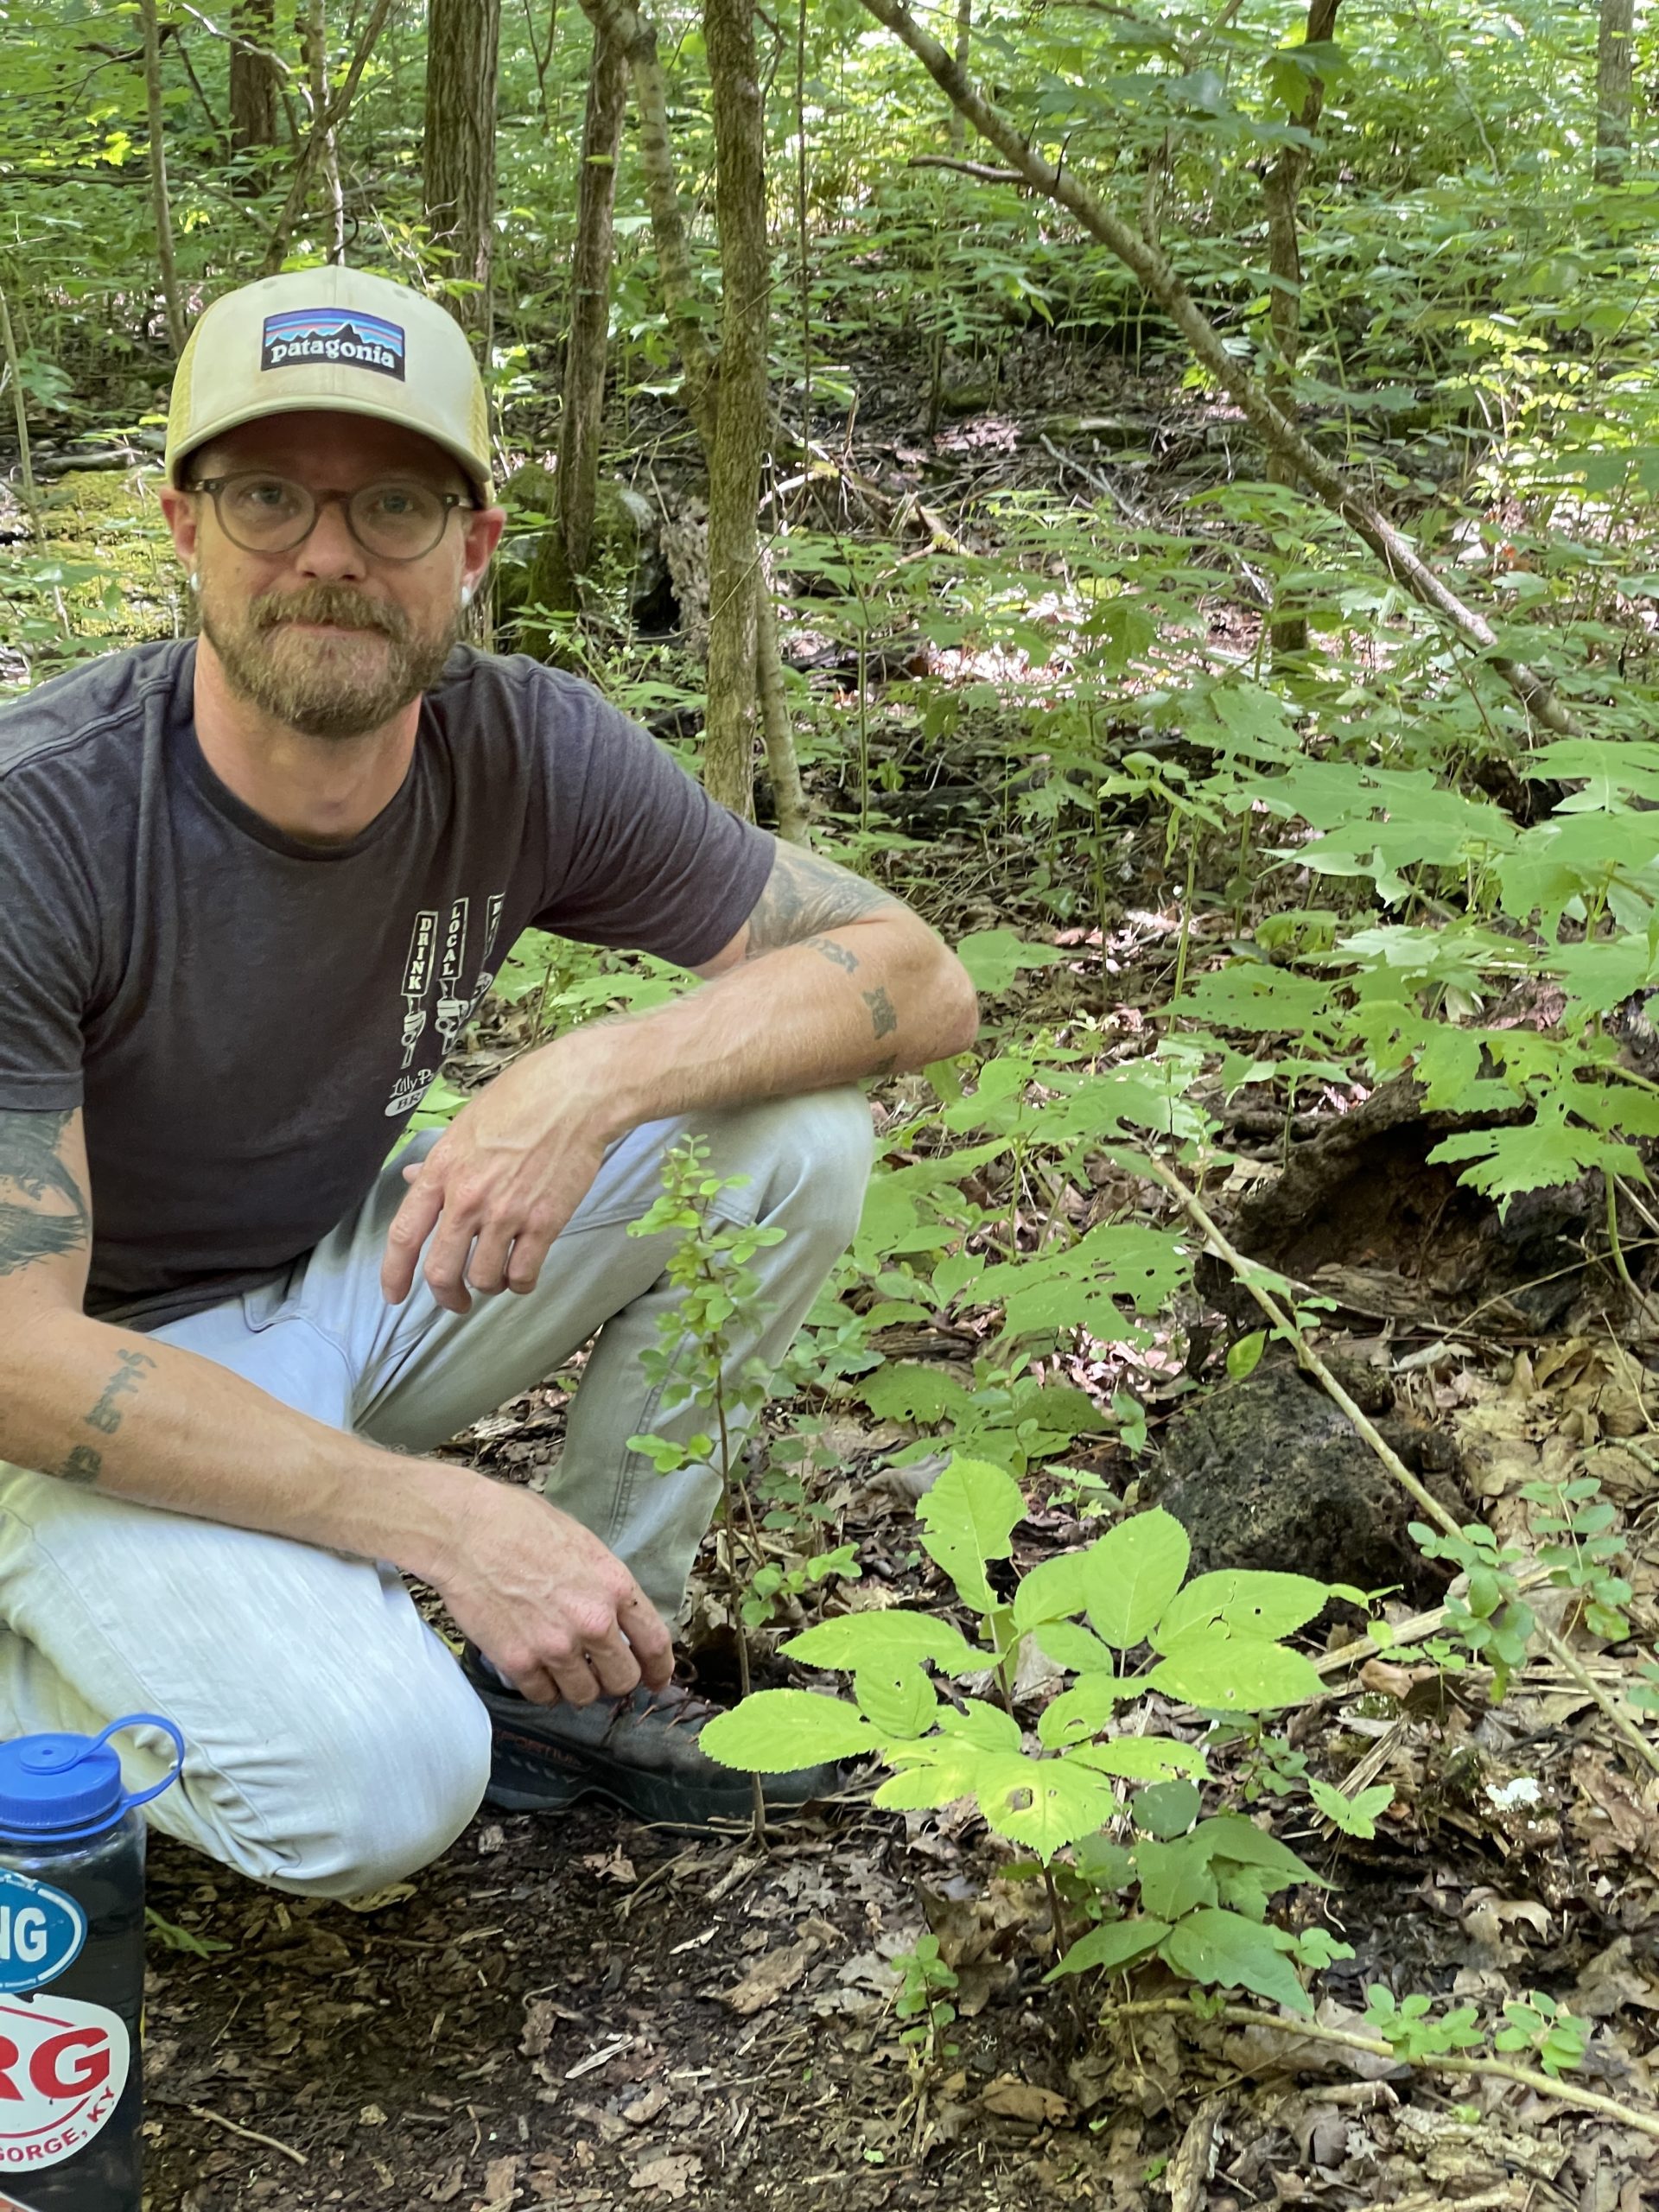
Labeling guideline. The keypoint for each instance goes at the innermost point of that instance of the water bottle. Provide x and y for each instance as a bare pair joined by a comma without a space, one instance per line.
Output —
72,1971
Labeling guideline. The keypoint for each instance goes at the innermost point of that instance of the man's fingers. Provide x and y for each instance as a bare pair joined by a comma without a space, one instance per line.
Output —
530,1251
411,1225
486,1270
651,1644
616,1666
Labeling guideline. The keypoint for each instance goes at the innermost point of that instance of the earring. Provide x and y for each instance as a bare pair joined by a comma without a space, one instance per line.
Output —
468,592
194,580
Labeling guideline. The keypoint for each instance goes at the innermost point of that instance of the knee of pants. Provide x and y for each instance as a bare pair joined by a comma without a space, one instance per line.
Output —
359,1792
825,1144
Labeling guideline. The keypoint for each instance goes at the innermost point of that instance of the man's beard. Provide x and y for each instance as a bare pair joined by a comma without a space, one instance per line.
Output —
338,687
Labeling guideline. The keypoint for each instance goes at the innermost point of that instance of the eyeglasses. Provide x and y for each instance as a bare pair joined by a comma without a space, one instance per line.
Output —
394,521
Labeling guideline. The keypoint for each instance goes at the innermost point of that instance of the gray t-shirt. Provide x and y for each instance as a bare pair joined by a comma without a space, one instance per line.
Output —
247,1019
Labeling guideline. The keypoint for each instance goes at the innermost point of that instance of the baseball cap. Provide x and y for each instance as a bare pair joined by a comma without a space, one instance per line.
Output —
331,337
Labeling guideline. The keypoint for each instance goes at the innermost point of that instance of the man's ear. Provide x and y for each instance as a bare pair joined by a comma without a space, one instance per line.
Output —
180,512
484,528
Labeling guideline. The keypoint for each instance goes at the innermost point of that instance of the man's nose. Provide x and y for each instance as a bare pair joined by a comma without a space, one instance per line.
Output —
331,553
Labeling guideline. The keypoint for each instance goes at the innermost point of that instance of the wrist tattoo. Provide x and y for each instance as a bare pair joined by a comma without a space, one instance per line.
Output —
85,1463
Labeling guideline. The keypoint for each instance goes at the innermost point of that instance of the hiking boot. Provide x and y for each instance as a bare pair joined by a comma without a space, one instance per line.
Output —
641,1751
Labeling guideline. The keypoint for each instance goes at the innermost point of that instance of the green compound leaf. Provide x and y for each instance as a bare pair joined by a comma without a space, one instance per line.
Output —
994,957
969,1517
1040,1803
776,1730
885,1639
1132,1573
1353,1815
1115,1943
1223,1949
1252,1605
1223,1673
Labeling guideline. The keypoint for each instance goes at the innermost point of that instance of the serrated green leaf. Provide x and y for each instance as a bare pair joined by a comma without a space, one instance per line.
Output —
1131,1573
1112,1944
1229,1835
777,1730
969,1517
986,1725
1081,1711
1143,1758
896,1700
1075,1648
1253,1604
1050,1591
908,1391
1223,1673
935,1771
1040,1803
1175,1878
885,1639
1223,1949
1166,1810
1102,1862
1356,1815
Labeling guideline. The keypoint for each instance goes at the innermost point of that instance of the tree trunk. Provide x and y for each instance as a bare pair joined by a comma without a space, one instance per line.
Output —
463,42
253,76
324,127
1342,494
964,55
172,297
1281,188
741,428
638,38
1615,73
582,417
316,45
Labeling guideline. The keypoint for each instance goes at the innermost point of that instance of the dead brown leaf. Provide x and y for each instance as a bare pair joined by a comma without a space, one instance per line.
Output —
673,2175
766,1982
1012,2098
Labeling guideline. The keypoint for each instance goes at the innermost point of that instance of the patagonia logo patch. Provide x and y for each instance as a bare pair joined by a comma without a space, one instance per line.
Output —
342,335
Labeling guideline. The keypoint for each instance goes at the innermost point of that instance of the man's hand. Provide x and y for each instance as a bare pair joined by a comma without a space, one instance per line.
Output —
499,1185
547,1604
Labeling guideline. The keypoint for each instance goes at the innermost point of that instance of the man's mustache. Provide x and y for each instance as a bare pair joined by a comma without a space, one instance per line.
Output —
332,603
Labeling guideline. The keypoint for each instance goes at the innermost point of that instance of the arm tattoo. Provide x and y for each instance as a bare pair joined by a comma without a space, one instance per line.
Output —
29,1165
837,955
803,895
883,1019
85,1463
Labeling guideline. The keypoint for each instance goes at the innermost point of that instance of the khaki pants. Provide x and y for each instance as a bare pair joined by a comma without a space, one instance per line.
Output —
333,1745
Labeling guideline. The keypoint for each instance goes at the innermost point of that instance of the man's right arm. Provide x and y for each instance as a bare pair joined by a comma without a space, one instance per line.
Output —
108,1408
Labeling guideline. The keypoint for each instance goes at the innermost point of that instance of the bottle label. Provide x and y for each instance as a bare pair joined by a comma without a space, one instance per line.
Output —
63,2066
41,1931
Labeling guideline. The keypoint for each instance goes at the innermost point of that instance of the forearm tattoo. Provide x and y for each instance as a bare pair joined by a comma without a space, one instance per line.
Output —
85,1463
42,1209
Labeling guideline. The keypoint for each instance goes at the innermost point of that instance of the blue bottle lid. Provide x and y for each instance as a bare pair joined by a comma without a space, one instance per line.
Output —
62,1788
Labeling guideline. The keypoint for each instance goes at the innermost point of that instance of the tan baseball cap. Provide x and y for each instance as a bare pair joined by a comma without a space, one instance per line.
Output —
330,338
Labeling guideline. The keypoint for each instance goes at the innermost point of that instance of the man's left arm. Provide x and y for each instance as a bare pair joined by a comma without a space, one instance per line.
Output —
829,979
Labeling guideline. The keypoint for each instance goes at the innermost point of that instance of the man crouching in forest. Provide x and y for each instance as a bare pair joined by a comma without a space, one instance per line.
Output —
256,883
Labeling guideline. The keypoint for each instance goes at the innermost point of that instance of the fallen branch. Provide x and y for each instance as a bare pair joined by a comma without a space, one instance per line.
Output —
981,171
248,2134
1499,2069
1286,1325
1156,274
